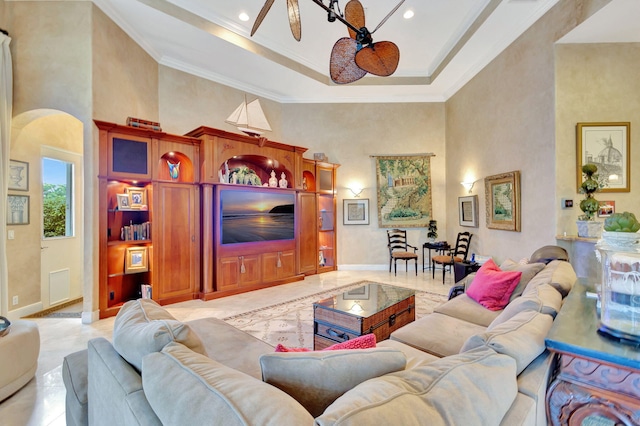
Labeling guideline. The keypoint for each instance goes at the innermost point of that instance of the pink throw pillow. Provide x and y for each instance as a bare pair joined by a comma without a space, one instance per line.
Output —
362,342
492,287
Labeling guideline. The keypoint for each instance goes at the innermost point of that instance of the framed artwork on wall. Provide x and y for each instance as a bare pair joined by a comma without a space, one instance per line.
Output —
606,208
136,260
355,212
404,190
502,194
468,211
17,210
607,146
18,175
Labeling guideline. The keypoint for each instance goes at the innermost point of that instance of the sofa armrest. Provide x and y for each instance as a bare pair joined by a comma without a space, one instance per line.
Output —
112,382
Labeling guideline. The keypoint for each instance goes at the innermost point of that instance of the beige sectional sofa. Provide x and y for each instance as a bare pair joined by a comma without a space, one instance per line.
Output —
461,364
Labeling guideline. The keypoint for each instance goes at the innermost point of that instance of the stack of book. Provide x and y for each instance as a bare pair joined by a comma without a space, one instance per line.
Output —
137,231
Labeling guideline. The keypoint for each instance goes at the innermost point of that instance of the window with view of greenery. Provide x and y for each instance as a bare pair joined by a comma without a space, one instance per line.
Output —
57,190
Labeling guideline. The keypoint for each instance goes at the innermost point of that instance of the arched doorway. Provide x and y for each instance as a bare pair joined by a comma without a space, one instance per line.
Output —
45,271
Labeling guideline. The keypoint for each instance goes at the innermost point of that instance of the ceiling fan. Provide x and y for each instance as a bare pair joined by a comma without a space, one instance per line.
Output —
354,56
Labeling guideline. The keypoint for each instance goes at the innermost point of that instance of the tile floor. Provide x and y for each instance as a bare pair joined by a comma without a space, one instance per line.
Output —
41,401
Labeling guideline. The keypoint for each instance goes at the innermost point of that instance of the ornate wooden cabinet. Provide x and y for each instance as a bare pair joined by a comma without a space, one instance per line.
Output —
148,216
239,170
317,204
597,380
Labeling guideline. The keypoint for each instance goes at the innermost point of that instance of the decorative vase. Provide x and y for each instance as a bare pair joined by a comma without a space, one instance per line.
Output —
589,228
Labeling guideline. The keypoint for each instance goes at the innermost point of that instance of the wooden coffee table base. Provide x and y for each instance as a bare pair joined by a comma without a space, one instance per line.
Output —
333,326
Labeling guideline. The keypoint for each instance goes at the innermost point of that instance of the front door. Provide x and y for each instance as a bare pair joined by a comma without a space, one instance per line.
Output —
61,225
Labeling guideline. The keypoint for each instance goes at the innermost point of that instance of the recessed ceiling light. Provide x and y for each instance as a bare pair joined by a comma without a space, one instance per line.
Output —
408,14
243,16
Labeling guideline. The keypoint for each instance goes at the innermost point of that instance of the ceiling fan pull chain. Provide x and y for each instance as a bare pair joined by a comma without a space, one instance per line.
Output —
388,16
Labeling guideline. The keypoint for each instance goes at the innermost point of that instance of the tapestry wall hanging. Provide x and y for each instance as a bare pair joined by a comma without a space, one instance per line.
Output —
404,190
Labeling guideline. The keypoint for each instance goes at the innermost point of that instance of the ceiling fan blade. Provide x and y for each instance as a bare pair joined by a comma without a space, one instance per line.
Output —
354,14
294,18
388,16
261,15
380,58
342,66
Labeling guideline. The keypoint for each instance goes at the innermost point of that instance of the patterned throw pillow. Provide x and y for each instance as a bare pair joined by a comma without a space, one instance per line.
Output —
362,342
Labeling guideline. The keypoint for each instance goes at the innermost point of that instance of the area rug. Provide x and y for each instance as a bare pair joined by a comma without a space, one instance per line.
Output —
291,323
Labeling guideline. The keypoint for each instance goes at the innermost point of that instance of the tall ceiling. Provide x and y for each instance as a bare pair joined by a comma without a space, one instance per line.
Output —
441,48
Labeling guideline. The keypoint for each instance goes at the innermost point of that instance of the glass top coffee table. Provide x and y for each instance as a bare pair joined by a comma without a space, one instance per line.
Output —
372,308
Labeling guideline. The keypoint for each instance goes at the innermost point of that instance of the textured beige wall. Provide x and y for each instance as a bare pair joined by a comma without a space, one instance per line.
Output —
501,121
51,46
125,77
595,83
348,134
188,102
51,51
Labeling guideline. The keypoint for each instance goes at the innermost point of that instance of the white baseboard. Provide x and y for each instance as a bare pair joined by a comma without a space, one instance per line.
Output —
352,267
89,317
16,314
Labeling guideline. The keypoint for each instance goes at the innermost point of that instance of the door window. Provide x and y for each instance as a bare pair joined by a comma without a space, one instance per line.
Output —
57,198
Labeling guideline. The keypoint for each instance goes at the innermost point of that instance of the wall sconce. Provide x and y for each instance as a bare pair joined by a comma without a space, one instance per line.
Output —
356,191
468,186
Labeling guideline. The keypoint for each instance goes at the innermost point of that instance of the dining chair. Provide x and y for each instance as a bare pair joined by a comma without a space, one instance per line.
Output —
400,249
457,254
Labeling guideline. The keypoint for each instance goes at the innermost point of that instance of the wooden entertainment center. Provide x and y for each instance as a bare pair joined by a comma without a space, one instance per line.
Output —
167,220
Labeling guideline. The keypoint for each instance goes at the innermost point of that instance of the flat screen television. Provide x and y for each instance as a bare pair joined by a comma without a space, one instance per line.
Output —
249,216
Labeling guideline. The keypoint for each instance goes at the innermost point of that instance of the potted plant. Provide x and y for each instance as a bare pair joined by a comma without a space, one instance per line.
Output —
587,226
432,230
621,230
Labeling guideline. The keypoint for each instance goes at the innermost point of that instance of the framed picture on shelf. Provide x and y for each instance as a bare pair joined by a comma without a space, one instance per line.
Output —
606,208
356,212
468,211
17,210
502,194
137,198
607,146
136,260
18,175
123,202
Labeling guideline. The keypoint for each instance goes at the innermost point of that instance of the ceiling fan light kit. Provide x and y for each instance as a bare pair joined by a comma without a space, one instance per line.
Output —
354,56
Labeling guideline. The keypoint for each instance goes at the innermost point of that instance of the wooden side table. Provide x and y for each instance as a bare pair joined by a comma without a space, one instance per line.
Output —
597,380
439,247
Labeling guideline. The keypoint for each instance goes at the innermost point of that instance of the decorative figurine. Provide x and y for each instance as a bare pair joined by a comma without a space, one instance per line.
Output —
174,170
283,181
273,181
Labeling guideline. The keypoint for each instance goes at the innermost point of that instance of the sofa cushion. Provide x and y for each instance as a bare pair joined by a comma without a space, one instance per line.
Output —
316,379
142,326
543,298
473,388
521,337
529,270
415,357
437,334
223,342
559,274
465,308
179,382
492,287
